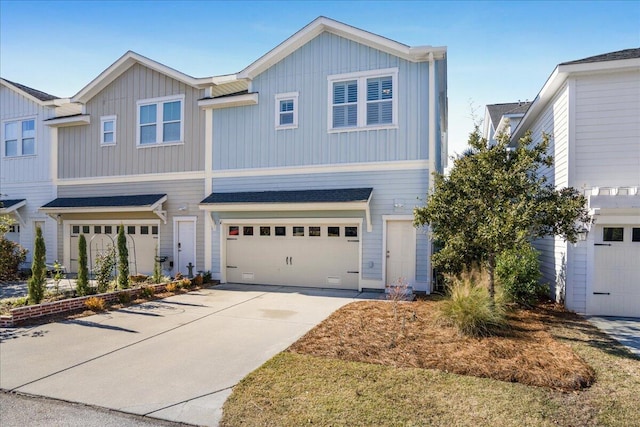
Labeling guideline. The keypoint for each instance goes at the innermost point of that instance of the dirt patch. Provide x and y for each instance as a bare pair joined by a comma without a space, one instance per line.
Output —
408,335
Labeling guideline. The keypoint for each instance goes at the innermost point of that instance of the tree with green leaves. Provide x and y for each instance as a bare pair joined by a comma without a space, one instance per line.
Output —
82,283
494,200
123,259
37,283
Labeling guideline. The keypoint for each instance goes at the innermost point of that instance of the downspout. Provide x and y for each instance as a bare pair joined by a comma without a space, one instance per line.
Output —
208,186
432,157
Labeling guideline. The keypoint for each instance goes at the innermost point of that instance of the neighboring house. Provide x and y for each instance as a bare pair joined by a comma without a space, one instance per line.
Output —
502,118
591,110
25,163
319,152
135,155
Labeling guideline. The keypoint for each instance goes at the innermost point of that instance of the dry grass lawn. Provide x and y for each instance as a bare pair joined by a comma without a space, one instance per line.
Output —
365,366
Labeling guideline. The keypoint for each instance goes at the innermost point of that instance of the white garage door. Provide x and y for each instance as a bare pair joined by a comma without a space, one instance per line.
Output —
322,255
616,282
142,241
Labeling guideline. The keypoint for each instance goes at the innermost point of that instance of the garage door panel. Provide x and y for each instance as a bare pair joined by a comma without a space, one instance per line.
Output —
292,254
142,244
616,280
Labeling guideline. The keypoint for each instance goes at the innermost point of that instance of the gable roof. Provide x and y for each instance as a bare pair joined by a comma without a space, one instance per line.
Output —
611,56
34,95
496,111
621,60
128,60
9,205
324,24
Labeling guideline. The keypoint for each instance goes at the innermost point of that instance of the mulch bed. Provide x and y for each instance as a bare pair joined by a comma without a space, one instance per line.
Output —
408,334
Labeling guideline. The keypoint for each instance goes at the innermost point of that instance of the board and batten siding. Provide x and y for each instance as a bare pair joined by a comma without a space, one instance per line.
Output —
82,156
607,135
246,137
554,121
180,194
403,187
26,169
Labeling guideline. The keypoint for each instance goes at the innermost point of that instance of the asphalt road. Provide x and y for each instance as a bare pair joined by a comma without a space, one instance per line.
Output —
18,410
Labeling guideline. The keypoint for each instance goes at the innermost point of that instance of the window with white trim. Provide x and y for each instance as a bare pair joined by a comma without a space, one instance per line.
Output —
287,110
363,100
108,130
161,121
19,138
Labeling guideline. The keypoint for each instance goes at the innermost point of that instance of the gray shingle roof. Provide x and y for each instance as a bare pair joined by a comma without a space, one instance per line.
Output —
295,196
496,111
611,56
6,204
139,200
42,96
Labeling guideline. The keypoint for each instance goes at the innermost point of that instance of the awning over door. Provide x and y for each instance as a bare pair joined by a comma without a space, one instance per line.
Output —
11,206
341,199
130,203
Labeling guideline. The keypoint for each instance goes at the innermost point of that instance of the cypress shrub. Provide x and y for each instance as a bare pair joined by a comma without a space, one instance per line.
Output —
37,283
82,284
123,259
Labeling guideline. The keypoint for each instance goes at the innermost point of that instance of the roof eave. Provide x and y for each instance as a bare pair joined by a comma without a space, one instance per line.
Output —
77,120
230,101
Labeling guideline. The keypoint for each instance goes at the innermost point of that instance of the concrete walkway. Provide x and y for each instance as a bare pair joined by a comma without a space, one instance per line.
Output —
625,330
175,359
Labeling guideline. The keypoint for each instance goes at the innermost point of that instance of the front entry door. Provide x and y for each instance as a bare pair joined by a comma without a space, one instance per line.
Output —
401,252
184,252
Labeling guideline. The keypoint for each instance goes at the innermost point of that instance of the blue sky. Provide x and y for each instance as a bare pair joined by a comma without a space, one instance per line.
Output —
497,51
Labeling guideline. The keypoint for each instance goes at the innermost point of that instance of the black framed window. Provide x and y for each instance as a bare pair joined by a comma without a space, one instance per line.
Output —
635,234
281,231
613,234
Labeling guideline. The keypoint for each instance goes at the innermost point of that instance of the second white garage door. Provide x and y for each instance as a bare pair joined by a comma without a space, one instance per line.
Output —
317,255
616,283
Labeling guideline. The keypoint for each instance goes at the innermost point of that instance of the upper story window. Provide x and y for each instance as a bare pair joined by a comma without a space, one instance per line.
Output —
363,100
108,130
19,138
161,121
287,110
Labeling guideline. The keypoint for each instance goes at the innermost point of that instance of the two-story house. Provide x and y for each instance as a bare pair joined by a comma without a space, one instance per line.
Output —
591,110
319,151
25,162
133,156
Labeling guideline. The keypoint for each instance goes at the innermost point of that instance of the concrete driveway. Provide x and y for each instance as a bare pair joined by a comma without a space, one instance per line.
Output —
175,359
625,330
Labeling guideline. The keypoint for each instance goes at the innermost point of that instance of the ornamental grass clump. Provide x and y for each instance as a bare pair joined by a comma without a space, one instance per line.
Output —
470,308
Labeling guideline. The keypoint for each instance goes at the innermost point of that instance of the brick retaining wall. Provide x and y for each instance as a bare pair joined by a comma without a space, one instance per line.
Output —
20,314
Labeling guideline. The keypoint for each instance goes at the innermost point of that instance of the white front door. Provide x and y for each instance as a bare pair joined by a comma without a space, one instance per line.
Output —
400,252
184,252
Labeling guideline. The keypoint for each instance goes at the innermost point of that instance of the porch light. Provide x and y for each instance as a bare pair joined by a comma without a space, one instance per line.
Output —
582,234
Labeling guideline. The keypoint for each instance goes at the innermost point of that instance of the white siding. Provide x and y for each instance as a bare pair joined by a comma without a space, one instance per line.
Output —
607,127
28,177
27,169
554,120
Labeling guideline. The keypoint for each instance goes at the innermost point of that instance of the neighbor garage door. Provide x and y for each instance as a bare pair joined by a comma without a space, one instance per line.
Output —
142,241
616,280
317,255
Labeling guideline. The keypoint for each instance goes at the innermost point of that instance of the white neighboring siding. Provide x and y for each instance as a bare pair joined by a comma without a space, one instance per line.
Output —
27,169
28,177
577,270
36,196
607,127
554,120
